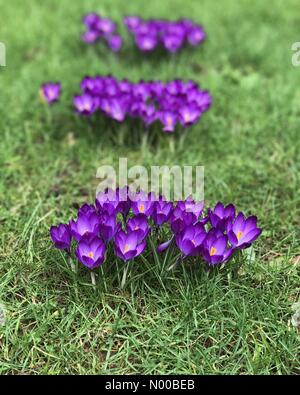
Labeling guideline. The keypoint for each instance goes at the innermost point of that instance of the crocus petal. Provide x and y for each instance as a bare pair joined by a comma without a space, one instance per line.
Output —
229,210
215,259
141,247
250,224
164,246
232,238
130,255
131,241
219,210
252,235
239,223
220,245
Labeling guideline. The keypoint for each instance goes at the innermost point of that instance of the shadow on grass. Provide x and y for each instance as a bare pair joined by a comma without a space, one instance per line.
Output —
144,277
130,55
100,130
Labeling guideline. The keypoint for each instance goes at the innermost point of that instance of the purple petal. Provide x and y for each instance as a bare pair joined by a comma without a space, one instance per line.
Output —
164,246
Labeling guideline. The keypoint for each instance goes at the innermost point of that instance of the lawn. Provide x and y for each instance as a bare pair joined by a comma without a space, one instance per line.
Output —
188,321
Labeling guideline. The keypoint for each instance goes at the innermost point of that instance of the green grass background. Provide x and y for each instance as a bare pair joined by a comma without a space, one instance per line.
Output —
189,321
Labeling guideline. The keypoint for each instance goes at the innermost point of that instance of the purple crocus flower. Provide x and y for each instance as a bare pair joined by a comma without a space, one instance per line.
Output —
189,241
111,88
172,42
107,201
168,120
157,88
108,226
149,29
132,22
149,114
214,248
242,231
199,99
219,215
142,204
146,42
196,35
115,42
86,224
162,211
113,202
125,86
50,91
174,87
117,110
105,105
180,219
127,245
175,29
84,104
189,114
188,87
97,86
186,23
61,236
141,91
124,202
189,205
106,26
91,20
87,209
139,224
87,85
91,251
90,36
136,108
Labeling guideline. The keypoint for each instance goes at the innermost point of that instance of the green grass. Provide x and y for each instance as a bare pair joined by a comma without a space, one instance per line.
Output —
188,321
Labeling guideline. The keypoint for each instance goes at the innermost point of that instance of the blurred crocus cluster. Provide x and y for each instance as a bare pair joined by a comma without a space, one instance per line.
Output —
171,35
98,28
120,223
171,103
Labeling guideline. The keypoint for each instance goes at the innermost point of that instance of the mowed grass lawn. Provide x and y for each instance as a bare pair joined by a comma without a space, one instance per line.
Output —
190,320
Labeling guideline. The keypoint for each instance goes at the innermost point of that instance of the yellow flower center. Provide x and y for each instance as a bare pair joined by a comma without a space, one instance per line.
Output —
142,208
107,108
169,121
126,249
136,228
239,235
91,254
212,251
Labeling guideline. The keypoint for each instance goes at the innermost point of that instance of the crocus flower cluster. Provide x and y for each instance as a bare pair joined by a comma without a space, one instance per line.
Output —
50,92
149,34
123,221
171,103
98,28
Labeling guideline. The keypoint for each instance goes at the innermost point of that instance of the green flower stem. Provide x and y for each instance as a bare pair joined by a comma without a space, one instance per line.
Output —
71,263
125,274
177,263
93,279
